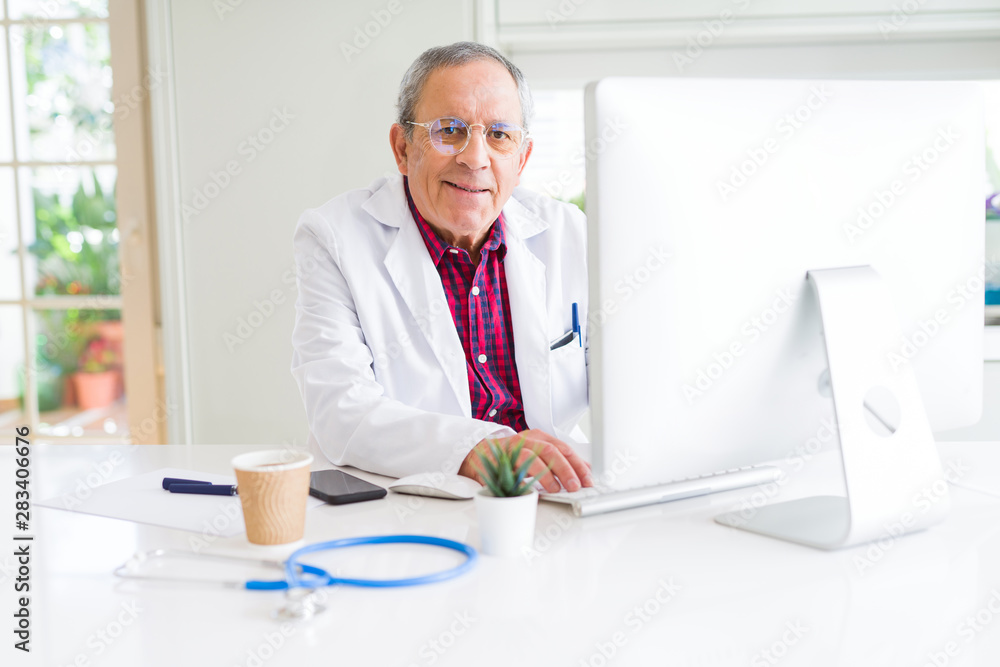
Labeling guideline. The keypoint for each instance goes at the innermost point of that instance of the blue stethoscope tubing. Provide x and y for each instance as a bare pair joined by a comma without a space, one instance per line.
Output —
301,575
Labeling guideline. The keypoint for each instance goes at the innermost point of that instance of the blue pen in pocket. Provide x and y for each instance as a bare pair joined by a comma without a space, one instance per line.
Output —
576,324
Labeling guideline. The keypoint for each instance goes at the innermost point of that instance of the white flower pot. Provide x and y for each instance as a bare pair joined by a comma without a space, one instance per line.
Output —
506,525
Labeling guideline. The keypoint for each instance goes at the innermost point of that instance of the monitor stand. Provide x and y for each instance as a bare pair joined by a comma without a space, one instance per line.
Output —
894,480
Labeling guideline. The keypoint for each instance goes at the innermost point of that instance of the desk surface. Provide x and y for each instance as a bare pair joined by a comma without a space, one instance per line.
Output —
658,585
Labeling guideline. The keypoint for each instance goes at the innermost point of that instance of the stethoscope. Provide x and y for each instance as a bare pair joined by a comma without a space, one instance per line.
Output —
302,580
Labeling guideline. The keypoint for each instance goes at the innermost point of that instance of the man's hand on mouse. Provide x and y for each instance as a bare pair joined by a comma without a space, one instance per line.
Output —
566,468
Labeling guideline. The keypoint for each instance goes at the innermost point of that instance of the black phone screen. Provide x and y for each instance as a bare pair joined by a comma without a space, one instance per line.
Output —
338,488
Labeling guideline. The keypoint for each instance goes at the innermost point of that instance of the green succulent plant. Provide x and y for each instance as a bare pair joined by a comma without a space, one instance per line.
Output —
502,475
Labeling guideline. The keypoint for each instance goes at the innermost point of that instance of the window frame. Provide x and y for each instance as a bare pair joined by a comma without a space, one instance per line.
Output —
147,412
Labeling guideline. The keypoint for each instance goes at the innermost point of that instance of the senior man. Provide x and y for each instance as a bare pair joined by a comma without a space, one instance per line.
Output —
436,307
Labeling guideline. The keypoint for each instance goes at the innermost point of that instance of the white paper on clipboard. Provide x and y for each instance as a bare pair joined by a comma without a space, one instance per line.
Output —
142,499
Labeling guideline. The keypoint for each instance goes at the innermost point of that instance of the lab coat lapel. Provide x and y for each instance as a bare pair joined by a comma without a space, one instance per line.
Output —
526,291
415,277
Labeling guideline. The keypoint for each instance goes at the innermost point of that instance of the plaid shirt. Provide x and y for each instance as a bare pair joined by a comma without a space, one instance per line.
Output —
477,297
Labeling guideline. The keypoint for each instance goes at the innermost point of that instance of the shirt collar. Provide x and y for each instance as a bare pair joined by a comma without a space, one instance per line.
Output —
436,246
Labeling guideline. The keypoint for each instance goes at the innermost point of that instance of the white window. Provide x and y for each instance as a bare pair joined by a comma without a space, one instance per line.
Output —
67,148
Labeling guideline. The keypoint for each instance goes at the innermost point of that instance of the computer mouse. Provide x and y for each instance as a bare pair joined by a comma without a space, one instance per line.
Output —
437,485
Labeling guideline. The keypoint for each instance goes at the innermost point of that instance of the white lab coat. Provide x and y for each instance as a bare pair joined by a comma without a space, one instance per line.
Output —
376,355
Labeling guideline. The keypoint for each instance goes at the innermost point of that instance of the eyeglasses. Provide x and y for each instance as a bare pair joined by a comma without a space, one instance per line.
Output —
451,135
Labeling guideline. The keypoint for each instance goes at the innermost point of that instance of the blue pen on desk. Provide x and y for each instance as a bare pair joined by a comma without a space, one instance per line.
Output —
177,485
576,324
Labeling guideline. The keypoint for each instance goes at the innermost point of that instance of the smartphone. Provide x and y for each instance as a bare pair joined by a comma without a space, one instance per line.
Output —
338,488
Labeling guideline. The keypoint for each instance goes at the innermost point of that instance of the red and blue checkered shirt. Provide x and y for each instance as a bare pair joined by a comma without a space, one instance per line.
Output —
477,297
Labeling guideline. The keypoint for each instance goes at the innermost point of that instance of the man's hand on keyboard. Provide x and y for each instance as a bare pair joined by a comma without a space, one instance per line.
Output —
566,468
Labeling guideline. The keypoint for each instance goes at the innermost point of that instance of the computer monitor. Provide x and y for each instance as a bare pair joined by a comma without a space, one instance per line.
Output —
709,201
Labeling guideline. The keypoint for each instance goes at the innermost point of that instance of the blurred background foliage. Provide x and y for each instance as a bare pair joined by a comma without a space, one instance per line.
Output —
76,247
68,99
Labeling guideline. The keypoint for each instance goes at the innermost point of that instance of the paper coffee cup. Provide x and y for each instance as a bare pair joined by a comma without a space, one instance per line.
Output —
273,487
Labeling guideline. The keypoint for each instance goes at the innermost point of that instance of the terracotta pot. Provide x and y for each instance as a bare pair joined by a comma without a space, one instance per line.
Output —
95,390
69,391
110,330
119,383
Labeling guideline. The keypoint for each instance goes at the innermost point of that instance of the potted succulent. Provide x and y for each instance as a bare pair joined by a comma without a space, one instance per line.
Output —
96,382
507,503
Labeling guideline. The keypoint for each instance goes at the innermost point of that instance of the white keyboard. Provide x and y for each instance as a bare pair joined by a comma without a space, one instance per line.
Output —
600,499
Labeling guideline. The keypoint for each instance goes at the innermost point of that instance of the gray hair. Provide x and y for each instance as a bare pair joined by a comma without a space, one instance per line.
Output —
454,55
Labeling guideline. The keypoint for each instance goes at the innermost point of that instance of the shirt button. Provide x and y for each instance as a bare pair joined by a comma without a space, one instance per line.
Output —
482,358
493,413
453,251
475,290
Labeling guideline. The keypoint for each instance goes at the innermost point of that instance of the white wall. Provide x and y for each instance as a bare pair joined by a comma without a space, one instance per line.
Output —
228,76
988,427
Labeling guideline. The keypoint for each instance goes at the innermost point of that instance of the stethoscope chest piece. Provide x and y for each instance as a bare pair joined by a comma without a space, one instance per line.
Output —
301,604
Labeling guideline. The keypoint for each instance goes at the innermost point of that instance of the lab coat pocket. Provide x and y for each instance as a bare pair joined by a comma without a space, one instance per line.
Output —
568,377
567,338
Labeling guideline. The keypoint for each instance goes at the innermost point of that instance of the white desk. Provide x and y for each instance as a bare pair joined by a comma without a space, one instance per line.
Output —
592,582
